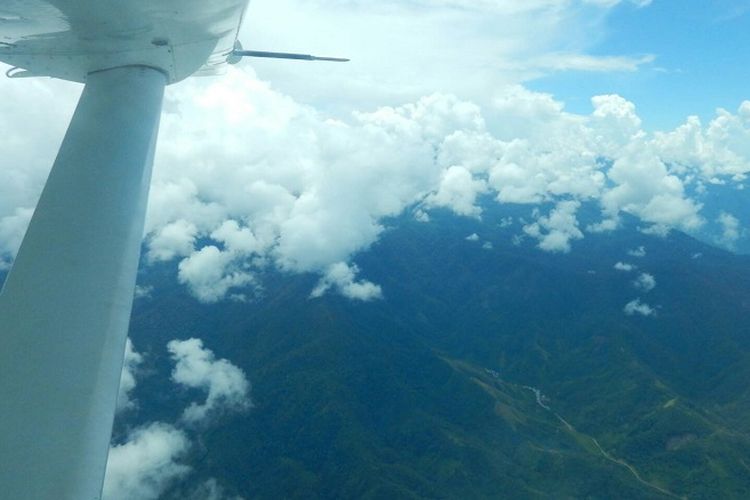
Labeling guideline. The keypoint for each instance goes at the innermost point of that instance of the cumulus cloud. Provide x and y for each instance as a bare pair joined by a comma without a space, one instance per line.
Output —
645,282
146,464
151,459
342,277
196,367
127,377
247,178
211,273
458,190
719,149
175,239
624,266
286,186
730,229
556,230
637,307
472,237
637,252
644,187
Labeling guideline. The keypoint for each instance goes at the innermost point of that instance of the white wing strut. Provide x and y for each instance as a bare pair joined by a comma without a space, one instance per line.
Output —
65,307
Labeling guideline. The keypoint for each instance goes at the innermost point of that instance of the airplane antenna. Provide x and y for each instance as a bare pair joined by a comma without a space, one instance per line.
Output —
285,55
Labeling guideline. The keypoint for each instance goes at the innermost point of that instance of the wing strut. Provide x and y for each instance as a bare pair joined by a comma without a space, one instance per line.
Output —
65,307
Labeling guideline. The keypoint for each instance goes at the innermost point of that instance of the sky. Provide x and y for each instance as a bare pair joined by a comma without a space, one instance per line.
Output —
672,58
637,107
699,60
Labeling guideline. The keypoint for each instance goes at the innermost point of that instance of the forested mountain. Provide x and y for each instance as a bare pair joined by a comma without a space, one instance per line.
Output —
489,369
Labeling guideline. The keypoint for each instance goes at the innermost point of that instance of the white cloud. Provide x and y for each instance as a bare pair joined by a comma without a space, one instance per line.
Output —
604,226
417,51
615,122
421,216
299,190
624,266
458,191
127,377
637,252
730,229
660,230
237,239
175,239
150,460
555,231
146,464
644,187
342,277
226,386
645,282
211,274
143,292
586,62
472,237
248,178
638,307
721,149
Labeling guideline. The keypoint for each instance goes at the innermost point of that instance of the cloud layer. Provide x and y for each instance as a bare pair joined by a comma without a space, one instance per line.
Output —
403,50
246,178
272,182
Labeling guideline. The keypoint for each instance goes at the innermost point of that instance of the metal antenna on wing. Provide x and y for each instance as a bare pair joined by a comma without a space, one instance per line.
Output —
285,55
238,53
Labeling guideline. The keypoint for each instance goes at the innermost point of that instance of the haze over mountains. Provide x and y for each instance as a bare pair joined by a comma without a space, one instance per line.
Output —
485,368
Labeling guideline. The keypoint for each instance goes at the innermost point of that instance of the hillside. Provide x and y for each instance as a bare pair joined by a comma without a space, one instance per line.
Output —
504,372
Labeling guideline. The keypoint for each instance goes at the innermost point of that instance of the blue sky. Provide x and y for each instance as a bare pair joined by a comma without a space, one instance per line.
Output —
702,61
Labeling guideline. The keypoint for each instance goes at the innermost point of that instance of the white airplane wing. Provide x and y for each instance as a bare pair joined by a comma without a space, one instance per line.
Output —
71,38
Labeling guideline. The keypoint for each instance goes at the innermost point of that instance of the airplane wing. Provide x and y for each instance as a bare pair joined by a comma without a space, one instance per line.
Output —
68,39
